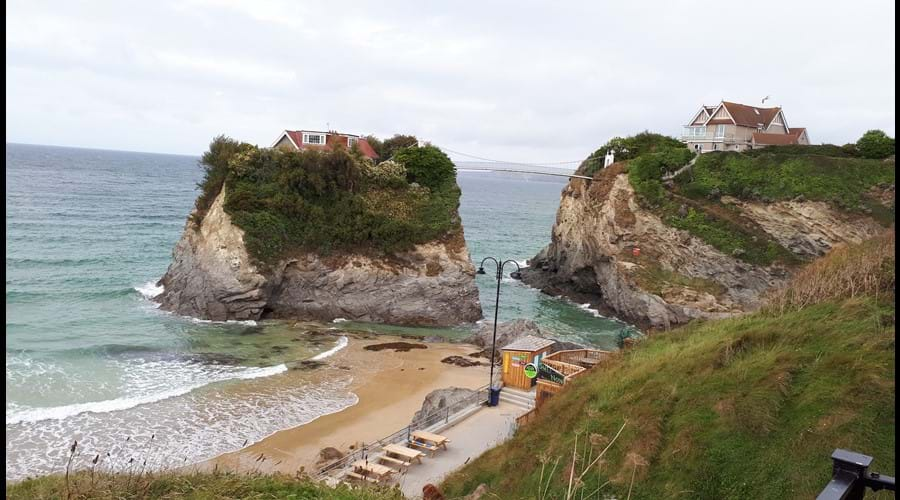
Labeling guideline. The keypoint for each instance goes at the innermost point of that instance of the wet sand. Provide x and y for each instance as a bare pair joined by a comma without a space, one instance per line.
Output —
390,386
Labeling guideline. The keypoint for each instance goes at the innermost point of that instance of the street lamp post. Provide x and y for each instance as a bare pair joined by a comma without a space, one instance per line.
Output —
517,274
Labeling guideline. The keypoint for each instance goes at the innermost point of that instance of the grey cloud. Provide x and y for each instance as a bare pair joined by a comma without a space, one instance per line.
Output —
522,81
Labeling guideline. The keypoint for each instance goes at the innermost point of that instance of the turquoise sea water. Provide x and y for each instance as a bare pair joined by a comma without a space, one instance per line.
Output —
88,357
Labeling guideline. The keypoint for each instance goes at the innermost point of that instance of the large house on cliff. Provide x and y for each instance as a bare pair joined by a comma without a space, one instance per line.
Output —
730,126
296,140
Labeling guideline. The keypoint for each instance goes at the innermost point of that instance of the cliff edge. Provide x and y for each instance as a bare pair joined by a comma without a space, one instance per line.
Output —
694,252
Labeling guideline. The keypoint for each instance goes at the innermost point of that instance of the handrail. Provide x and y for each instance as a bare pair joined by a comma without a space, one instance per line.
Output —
475,399
851,477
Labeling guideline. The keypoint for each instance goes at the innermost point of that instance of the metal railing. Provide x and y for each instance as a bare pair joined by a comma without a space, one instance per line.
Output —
851,476
479,397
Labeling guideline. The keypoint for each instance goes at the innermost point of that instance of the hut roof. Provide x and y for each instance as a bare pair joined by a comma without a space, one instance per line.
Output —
529,343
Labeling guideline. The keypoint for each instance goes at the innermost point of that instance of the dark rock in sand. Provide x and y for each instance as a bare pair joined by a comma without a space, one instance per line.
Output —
307,364
395,346
329,453
461,361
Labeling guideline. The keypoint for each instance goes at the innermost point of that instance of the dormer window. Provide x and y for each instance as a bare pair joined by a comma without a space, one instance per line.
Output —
351,141
312,138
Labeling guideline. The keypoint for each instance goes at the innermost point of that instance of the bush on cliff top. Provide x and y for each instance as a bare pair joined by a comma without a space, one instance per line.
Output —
875,144
750,407
627,148
331,201
842,182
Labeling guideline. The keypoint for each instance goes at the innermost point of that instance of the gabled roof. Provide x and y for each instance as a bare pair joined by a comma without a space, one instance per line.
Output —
529,343
750,116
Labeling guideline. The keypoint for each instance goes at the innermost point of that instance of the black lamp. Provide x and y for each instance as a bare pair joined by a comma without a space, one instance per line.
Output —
517,274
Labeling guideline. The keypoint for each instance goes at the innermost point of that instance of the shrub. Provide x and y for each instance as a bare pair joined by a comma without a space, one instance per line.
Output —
806,149
427,166
387,174
628,148
215,165
645,172
875,144
390,146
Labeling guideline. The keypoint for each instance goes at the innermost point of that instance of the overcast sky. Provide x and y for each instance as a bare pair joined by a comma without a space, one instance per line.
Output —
519,80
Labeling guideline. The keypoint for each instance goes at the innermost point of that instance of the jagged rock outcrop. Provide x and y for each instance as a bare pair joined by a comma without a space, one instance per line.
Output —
213,277
510,331
599,223
441,399
507,331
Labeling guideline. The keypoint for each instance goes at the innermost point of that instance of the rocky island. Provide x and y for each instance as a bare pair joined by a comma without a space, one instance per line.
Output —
712,241
321,235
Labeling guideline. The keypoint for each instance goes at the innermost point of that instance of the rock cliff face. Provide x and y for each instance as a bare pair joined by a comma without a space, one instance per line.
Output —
599,223
213,277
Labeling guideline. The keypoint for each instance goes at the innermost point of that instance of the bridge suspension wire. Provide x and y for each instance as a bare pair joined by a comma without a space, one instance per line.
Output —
544,164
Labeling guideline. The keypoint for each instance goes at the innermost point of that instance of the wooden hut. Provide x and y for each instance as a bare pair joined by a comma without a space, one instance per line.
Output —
528,349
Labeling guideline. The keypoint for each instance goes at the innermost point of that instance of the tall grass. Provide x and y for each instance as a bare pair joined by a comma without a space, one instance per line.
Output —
121,474
848,271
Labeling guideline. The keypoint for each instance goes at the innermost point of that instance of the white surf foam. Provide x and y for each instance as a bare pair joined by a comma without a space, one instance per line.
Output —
248,322
124,403
150,289
594,312
341,343
340,320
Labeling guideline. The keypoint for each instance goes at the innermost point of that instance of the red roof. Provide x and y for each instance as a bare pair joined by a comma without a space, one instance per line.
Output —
332,139
366,148
750,116
791,137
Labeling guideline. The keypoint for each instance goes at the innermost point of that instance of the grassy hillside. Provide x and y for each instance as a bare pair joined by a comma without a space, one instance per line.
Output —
188,486
750,407
331,201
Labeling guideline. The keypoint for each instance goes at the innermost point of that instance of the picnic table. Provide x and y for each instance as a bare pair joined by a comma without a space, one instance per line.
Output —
402,451
371,469
429,441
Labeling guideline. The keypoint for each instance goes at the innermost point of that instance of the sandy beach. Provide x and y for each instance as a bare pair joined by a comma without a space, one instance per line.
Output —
390,386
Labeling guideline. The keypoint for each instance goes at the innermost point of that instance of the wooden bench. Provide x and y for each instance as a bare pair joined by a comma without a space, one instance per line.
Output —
360,477
397,461
422,444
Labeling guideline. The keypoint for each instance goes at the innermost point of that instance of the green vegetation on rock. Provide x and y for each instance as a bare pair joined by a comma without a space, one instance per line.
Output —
773,176
330,201
875,144
825,173
750,407
627,148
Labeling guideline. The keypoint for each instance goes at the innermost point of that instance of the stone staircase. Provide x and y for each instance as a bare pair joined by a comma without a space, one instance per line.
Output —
518,397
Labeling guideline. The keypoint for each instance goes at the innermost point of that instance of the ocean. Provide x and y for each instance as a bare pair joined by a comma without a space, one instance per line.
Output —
90,358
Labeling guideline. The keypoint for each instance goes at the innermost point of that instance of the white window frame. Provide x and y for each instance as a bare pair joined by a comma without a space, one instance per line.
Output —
308,135
720,132
351,141
695,131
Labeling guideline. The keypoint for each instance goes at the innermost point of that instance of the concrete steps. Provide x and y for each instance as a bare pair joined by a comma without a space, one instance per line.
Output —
519,398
